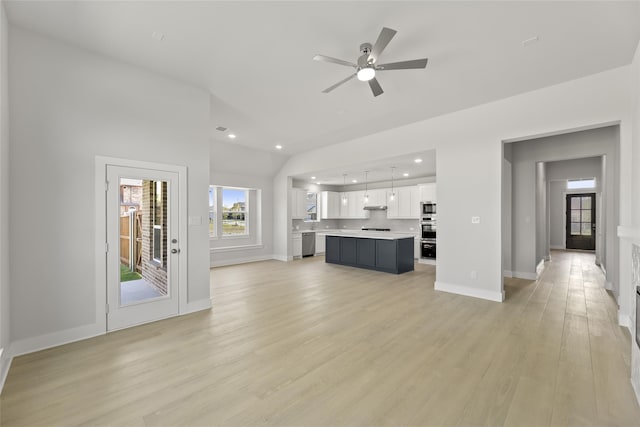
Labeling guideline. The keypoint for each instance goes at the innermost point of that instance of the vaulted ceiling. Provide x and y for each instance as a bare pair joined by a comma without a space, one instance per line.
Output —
255,58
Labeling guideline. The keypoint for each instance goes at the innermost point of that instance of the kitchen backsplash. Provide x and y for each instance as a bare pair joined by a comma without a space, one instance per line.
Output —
377,219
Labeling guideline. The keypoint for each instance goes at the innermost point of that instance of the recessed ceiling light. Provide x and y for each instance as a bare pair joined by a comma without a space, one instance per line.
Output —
278,147
318,182
156,35
354,181
405,174
418,160
232,136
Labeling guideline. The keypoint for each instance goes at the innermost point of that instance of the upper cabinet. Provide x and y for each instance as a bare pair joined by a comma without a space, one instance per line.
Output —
377,197
329,205
427,192
354,206
298,203
405,203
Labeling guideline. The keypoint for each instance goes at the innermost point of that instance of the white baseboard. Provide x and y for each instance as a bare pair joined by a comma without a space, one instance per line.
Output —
234,261
283,258
624,320
54,339
192,307
426,261
507,273
470,292
557,247
525,275
539,268
5,363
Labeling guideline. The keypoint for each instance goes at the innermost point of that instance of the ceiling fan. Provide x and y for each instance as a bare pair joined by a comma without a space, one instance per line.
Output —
367,63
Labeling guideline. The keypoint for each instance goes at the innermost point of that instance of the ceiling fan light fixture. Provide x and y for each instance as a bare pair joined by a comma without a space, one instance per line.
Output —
365,74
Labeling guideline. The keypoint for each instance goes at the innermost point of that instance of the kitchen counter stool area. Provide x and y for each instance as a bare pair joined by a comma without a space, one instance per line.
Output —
391,255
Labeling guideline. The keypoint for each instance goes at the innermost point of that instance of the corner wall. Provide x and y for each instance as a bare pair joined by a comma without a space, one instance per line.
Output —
5,306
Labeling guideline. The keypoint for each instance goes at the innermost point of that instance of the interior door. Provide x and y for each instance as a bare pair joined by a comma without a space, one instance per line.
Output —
143,243
581,221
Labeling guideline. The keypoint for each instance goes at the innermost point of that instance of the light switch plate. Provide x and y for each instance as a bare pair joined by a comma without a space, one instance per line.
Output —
475,220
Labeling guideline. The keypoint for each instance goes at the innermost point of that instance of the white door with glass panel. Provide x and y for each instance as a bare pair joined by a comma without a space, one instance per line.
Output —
143,246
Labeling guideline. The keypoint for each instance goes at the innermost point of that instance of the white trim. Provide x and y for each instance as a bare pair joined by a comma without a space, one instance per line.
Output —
101,163
5,365
236,248
507,273
244,260
470,292
55,339
427,261
624,320
558,247
199,305
283,258
636,391
525,275
539,268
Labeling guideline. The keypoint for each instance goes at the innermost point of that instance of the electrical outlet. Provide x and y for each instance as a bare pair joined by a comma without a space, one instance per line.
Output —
474,274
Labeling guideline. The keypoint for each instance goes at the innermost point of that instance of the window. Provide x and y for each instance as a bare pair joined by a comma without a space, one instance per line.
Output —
213,211
158,211
574,184
234,212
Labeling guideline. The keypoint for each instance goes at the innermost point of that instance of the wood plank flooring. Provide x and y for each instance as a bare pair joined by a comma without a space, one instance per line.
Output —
312,344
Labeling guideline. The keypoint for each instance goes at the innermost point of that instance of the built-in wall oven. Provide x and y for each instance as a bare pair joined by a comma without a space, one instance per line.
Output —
428,226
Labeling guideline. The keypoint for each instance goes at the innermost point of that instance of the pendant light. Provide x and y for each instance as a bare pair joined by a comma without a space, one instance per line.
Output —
344,194
366,195
393,194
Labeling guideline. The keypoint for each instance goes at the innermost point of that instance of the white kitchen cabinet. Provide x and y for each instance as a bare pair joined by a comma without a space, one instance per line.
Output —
298,203
320,243
297,245
427,192
405,204
354,206
377,197
417,248
330,205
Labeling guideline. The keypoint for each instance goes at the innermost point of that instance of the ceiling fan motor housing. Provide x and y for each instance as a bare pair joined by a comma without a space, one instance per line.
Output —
365,50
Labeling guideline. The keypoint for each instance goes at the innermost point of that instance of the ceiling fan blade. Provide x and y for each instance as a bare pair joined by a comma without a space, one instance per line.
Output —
404,65
330,88
375,87
334,60
383,40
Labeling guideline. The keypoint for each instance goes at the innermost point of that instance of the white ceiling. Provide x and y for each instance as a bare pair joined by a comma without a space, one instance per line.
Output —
255,58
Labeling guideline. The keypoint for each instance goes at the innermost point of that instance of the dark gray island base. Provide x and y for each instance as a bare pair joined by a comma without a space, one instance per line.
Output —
374,252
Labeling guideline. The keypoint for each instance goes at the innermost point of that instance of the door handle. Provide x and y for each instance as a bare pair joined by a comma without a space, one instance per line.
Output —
175,251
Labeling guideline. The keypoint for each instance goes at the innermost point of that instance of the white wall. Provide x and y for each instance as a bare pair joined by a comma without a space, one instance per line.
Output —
542,248
557,175
5,330
68,106
469,163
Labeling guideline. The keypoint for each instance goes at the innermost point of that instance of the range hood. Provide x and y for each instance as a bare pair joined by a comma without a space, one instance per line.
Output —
375,208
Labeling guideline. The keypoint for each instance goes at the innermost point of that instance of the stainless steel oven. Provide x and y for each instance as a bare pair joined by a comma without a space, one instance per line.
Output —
428,208
428,248
428,228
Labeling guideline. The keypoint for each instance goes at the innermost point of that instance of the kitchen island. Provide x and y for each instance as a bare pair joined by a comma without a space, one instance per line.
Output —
381,251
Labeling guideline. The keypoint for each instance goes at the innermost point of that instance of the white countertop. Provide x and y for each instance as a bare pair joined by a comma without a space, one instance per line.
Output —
384,235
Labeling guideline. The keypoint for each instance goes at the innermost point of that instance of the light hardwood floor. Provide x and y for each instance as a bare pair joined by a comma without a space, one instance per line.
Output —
313,344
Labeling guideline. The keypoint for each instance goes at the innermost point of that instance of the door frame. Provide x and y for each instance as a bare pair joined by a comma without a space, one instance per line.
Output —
101,163
564,215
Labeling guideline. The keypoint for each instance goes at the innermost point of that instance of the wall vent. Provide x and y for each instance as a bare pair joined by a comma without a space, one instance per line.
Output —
221,128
